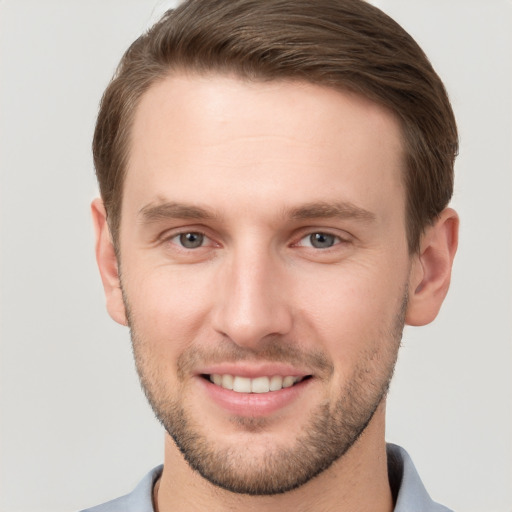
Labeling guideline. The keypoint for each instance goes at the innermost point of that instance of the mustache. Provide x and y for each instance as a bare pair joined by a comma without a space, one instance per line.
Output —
273,351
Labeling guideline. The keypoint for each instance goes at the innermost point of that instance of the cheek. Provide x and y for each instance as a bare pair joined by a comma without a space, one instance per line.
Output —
354,310
167,306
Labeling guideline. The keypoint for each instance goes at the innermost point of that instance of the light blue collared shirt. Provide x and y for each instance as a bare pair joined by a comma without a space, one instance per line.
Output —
411,495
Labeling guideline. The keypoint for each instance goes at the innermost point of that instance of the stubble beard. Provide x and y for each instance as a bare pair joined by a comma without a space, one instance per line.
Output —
330,431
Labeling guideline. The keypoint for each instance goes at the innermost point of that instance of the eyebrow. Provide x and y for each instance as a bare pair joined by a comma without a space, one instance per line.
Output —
172,210
323,210
316,210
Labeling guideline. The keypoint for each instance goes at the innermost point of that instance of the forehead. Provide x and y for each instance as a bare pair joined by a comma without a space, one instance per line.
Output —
200,138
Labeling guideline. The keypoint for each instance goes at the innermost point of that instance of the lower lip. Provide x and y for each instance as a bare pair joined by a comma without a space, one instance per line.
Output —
254,404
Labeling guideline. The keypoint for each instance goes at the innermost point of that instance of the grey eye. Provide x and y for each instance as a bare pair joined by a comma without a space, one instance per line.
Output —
191,240
322,240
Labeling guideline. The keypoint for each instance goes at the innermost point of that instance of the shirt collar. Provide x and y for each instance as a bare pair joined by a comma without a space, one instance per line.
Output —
408,491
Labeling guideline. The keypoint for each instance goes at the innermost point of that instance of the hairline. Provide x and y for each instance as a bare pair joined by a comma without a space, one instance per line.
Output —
191,71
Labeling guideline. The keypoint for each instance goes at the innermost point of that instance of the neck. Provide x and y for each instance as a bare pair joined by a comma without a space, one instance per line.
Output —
358,481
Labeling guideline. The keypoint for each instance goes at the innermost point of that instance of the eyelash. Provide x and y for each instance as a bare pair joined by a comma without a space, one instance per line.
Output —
177,239
336,240
321,237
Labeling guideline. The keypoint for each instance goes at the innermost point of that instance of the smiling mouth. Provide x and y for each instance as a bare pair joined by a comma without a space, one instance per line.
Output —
256,385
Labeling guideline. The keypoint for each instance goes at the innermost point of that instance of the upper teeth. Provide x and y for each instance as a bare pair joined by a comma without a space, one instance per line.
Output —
257,385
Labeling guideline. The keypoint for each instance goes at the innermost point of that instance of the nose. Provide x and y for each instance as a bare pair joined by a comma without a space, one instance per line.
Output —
252,303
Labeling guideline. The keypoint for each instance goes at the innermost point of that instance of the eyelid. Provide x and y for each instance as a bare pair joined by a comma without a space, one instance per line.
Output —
341,237
168,235
206,240
309,245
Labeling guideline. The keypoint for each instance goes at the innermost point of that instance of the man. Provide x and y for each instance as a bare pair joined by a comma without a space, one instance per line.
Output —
274,183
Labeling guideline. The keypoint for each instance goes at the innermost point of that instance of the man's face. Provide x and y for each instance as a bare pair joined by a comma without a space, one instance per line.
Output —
263,244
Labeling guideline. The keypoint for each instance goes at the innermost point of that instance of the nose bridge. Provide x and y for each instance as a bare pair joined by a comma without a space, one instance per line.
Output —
251,300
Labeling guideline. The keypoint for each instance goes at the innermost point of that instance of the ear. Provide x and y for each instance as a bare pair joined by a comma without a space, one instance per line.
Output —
431,269
107,263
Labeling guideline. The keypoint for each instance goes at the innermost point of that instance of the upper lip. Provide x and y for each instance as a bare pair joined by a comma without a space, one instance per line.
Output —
253,370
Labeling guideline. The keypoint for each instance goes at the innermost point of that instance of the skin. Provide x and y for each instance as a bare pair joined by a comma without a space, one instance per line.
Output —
257,169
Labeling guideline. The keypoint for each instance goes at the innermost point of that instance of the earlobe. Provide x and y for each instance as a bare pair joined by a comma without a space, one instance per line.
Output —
431,269
107,263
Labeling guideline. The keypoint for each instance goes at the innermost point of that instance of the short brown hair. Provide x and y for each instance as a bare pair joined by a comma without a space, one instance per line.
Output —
344,44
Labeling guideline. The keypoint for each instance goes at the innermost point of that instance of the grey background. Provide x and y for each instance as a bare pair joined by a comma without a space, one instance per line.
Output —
74,426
